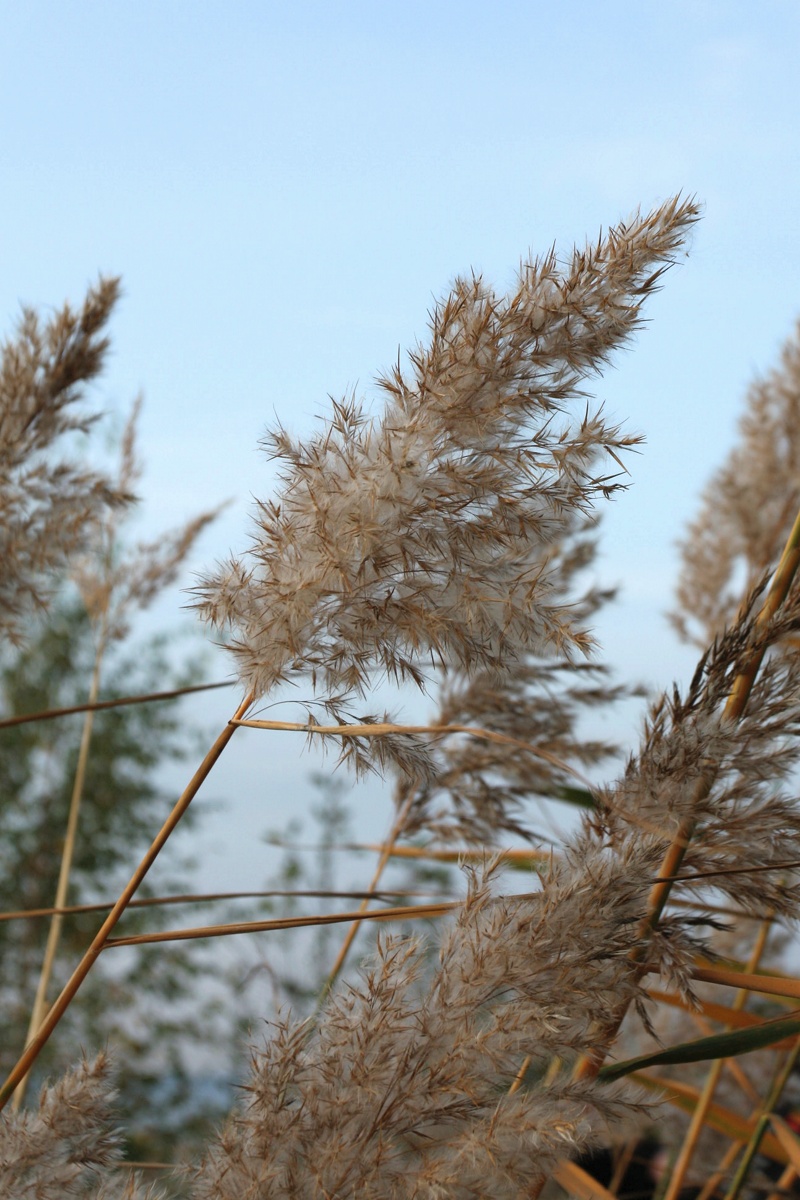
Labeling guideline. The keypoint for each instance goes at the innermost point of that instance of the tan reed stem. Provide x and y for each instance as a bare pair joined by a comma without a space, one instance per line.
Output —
697,1122
49,714
34,1047
403,912
519,1078
67,855
751,1149
382,729
28,914
386,852
766,985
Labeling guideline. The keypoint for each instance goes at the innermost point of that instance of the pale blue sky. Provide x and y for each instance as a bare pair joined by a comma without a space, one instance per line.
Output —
285,189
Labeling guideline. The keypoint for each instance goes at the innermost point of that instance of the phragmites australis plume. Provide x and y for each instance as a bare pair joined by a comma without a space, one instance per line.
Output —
403,1090
419,539
748,506
48,506
427,538
69,1147
479,790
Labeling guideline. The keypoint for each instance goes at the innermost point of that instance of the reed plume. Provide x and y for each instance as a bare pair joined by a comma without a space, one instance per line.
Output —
69,1148
479,791
748,507
418,539
426,539
48,505
404,1090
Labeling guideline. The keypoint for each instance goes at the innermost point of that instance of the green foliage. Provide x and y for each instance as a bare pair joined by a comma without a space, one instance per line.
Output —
719,1045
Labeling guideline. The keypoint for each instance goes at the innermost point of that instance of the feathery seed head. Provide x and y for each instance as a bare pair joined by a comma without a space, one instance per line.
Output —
419,539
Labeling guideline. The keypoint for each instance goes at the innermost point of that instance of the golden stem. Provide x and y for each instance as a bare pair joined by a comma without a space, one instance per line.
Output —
40,1039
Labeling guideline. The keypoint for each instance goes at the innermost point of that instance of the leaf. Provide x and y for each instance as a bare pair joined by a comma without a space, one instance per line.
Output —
724,1120
719,1045
788,1140
580,797
771,985
577,1182
723,1013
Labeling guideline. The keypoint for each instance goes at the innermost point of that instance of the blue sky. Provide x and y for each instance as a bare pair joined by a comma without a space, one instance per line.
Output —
286,189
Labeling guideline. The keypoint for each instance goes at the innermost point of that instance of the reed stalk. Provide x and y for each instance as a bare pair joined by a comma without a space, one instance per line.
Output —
771,1100
68,850
50,714
697,1123
70,990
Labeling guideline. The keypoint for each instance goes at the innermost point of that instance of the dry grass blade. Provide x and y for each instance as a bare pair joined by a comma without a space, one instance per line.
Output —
406,912
576,1182
383,729
29,914
101,705
524,859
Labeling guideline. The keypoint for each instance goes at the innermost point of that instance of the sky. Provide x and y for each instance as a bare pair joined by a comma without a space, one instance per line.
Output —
286,190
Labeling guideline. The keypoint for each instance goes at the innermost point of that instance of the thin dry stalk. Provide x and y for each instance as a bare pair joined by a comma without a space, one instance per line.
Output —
696,1125
403,912
523,858
386,853
50,714
65,869
34,1047
385,729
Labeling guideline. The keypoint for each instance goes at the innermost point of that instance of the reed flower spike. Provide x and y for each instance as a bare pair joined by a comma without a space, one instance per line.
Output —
69,1148
48,505
418,539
